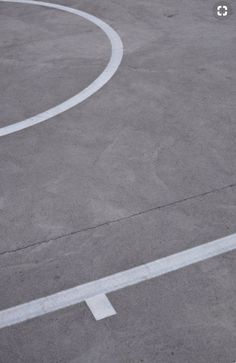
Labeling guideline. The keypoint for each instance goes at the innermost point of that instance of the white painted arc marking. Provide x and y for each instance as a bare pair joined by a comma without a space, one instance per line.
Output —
98,83
75,295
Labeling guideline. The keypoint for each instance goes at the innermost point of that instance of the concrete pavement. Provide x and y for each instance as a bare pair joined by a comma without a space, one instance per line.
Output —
143,169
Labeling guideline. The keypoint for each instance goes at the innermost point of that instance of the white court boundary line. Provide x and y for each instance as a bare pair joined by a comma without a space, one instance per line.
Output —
78,294
104,77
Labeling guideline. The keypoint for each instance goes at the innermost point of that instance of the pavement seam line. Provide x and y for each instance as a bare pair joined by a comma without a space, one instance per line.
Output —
107,223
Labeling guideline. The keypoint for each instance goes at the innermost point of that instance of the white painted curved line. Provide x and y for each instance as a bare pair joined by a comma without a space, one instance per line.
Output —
104,77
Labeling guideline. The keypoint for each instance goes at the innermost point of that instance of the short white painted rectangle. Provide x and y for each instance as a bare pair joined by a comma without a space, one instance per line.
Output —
100,307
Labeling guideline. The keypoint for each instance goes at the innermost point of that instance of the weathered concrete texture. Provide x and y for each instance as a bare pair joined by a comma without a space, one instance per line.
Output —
161,130
69,261
45,55
188,316
138,158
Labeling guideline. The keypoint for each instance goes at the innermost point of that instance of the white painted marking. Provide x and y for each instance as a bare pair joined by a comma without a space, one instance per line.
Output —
115,282
105,76
100,307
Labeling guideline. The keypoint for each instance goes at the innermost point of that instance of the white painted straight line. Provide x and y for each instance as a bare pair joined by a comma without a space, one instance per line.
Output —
100,307
75,295
104,77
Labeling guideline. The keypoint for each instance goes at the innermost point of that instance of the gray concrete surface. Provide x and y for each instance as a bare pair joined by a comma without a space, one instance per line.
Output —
143,169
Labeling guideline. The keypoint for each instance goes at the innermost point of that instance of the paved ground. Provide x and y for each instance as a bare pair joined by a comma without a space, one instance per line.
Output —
142,169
